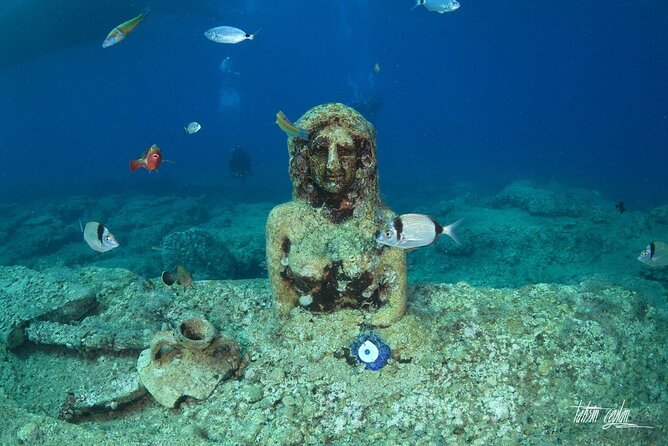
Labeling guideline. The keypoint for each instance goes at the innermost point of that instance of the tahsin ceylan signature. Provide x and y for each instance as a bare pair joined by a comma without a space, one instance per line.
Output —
614,417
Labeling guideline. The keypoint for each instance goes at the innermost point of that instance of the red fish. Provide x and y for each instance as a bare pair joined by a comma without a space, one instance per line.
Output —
150,160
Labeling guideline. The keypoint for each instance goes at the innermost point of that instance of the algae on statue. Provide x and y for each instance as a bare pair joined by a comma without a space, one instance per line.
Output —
321,250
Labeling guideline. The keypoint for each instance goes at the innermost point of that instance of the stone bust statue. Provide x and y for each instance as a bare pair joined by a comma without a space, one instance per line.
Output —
321,250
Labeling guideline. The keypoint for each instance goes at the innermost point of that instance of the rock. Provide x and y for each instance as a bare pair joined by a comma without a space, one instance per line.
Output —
29,433
659,215
27,296
86,336
253,393
554,201
199,251
111,395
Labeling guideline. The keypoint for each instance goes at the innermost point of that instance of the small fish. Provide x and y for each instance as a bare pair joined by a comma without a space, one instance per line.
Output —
440,6
150,160
98,237
228,34
411,231
620,207
191,128
121,31
376,68
289,127
655,254
180,275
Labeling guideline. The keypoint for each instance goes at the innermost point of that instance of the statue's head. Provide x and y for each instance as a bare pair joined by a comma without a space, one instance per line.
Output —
336,167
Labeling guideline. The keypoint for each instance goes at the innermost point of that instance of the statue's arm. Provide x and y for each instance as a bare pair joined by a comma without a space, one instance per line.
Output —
277,242
393,265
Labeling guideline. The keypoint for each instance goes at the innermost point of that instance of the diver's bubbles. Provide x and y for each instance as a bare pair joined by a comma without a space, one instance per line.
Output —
226,65
228,99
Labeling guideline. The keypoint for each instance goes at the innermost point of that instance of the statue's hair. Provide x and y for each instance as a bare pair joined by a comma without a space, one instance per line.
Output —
365,186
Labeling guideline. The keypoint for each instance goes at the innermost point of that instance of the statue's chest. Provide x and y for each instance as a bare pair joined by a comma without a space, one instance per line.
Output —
315,249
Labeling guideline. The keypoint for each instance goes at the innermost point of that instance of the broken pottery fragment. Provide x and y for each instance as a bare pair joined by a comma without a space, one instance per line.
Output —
188,363
111,396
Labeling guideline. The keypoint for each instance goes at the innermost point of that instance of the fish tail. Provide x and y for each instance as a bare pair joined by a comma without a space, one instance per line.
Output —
167,278
146,12
302,133
136,164
450,230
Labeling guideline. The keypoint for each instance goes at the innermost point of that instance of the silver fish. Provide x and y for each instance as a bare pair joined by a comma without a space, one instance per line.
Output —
191,128
228,34
440,6
655,254
98,237
411,231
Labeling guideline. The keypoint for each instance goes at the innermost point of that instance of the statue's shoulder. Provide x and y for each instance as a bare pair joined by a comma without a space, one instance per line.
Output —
284,214
284,210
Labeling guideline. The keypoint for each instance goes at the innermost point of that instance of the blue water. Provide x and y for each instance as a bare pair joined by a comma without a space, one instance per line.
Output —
569,91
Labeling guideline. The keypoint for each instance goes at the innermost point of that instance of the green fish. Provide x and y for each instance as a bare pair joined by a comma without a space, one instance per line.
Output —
121,31
289,127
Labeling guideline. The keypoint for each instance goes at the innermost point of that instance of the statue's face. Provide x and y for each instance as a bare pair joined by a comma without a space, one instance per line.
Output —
332,159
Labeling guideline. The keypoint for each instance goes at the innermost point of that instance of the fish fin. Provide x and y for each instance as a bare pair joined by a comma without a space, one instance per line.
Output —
167,278
136,164
417,3
80,225
450,230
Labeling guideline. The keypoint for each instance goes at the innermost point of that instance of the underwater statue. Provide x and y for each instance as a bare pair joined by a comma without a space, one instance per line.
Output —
321,249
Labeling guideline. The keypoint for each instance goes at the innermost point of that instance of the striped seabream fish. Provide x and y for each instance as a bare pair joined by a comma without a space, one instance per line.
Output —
655,254
98,237
411,231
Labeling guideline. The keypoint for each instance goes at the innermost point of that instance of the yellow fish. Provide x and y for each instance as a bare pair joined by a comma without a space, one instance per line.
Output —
289,127
121,31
